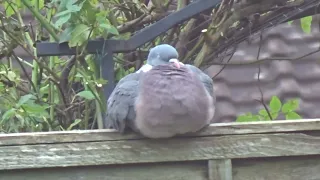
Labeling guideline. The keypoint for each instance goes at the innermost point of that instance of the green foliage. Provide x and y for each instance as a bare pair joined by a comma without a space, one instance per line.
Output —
19,112
274,109
83,21
86,94
47,100
305,24
60,93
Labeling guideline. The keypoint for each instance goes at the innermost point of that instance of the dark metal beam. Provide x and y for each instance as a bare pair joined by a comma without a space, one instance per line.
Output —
107,69
307,12
144,36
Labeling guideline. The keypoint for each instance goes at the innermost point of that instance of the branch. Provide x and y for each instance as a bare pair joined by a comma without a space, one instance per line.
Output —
12,36
267,59
128,25
10,84
259,82
224,66
24,71
261,93
41,19
236,15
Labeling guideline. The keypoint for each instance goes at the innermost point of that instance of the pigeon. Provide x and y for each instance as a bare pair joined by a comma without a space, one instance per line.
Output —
171,101
126,99
121,102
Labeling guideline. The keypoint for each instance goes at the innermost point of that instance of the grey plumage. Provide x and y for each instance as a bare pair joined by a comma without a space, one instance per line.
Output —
121,105
172,101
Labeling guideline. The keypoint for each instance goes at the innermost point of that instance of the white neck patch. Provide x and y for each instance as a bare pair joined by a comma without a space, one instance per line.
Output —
145,68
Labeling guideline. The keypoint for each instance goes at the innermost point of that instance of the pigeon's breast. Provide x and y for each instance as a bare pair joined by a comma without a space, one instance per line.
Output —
171,101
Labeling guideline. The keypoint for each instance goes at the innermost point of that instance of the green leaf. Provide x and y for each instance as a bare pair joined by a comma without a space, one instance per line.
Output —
44,89
25,98
274,115
11,75
306,24
62,5
35,109
66,34
63,19
290,22
9,114
264,114
101,81
248,117
21,119
254,118
242,118
9,7
41,3
120,73
79,35
275,104
292,115
77,121
290,105
104,23
86,94
2,86
63,13
131,70
74,7
111,29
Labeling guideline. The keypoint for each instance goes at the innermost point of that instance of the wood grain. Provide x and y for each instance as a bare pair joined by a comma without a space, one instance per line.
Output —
143,151
111,135
288,168
164,171
220,169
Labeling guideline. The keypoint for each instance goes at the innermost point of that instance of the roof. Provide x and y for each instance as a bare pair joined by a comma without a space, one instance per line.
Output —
237,86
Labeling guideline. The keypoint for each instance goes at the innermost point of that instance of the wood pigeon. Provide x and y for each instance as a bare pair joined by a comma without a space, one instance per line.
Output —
163,98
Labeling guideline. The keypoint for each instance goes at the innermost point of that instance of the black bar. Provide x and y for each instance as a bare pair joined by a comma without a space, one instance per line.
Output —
144,36
308,12
107,69
163,25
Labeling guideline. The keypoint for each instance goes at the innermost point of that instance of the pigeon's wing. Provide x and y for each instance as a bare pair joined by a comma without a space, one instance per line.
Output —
120,106
207,82
204,78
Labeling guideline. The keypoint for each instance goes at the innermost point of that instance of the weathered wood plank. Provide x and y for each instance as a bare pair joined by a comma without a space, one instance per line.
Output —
163,171
289,168
220,169
108,134
143,151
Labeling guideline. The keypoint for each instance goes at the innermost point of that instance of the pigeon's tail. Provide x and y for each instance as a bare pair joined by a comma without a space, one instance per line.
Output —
117,124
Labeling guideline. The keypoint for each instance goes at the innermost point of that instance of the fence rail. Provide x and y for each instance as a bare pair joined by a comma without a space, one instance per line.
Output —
222,151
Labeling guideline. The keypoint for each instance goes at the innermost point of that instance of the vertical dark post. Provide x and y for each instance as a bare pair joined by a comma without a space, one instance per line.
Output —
107,69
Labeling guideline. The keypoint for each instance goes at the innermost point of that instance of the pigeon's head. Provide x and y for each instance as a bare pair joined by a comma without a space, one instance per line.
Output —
163,54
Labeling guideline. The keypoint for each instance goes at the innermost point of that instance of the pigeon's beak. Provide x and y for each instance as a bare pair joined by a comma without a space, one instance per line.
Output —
176,62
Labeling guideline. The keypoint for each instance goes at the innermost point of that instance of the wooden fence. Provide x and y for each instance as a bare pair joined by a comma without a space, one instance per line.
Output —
277,150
